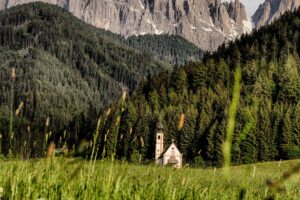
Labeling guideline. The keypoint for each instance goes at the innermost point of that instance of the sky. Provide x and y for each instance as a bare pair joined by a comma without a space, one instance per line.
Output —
251,5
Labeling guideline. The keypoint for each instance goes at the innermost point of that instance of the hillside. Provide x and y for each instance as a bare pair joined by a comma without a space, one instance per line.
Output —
199,94
66,68
174,49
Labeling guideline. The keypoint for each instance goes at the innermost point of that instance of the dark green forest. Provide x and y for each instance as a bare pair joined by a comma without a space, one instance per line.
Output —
174,49
59,74
67,71
268,115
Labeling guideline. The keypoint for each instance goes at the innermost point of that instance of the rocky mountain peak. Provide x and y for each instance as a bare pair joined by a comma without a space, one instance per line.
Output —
271,10
237,11
206,23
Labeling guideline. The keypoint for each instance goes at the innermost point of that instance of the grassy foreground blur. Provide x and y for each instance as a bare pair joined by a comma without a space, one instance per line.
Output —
59,178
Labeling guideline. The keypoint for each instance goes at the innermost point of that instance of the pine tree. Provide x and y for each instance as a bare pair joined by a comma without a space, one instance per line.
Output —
210,144
248,135
179,80
289,81
263,135
296,125
285,138
219,141
128,120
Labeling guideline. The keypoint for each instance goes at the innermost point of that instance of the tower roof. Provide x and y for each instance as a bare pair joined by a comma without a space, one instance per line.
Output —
159,126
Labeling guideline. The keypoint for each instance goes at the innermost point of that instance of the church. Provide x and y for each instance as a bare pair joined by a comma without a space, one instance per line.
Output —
168,156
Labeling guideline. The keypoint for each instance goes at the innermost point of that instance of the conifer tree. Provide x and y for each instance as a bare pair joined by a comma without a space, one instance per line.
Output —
285,138
263,135
296,125
248,135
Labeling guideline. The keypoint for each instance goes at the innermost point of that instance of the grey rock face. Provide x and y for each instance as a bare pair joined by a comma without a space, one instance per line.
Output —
271,10
206,23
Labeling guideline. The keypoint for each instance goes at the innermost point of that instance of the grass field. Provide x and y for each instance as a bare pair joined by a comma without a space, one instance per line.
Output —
59,178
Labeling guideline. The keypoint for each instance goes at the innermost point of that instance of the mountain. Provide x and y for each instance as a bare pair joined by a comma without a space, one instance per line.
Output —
67,69
193,103
271,10
206,23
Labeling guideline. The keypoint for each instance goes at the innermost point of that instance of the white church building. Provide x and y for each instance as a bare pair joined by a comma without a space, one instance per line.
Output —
167,156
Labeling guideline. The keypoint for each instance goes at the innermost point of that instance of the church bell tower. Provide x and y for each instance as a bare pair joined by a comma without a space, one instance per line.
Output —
159,147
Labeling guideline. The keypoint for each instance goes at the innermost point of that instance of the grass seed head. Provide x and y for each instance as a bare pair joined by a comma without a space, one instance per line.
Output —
118,120
65,149
181,121
108,112
51,150
13,73
47,121
142,142
19,108
1,192
124,95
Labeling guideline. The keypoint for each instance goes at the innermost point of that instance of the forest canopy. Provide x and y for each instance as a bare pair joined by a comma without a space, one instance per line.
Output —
268,115
68,76
67,70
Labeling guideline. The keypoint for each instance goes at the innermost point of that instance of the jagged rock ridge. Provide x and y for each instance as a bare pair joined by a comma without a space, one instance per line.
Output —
206,23
271,10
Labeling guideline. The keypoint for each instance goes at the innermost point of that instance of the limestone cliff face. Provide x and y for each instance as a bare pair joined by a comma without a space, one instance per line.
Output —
271,10
207,23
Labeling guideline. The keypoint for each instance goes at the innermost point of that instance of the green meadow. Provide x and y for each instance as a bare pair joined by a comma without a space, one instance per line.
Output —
61,178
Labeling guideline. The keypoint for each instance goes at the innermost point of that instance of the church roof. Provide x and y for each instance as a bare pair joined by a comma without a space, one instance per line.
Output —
166,149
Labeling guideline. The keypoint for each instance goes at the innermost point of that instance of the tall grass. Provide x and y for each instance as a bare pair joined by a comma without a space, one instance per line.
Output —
59,178
11,114
231,121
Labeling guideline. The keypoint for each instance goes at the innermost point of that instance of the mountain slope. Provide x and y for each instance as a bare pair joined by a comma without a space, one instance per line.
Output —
193,103
206,23
68,70
173,49
271,10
